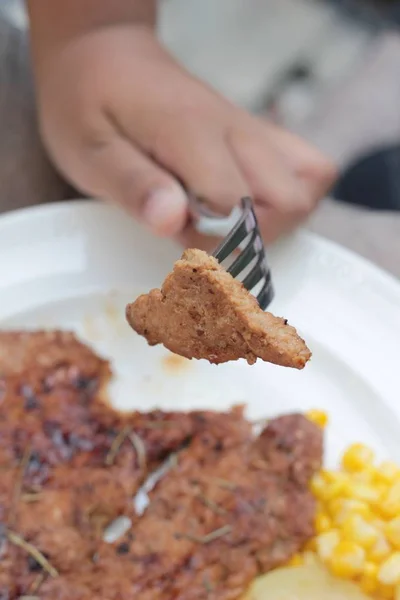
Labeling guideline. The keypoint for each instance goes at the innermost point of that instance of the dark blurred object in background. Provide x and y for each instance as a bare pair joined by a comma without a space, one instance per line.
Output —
392,11
370,10
373,181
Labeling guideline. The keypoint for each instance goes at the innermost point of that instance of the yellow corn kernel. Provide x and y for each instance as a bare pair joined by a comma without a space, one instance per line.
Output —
368,585
370,569
322,523
367,475
335,485
397,592
362,491
382,489
380,524
325,488
392,531
385,592
326,543
389,571
387,472
296,561
318,417
380,550
356,529
390,505
357,457
335,476
341,508
317,486
347,559
329,476
368,579
334,506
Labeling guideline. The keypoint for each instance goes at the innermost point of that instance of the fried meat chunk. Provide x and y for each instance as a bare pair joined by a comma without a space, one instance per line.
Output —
202,312
233,504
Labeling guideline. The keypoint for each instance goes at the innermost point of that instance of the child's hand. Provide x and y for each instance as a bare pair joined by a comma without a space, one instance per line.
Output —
123,121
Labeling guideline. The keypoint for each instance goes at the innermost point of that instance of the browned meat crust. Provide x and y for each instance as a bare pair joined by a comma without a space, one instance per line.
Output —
202,312
234,504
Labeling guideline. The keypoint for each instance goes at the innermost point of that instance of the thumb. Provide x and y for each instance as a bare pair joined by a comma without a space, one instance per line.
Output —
120,172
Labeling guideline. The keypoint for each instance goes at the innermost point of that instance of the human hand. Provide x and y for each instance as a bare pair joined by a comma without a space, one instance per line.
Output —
123,121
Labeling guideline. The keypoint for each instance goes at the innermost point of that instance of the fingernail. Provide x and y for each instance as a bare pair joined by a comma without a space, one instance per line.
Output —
165,211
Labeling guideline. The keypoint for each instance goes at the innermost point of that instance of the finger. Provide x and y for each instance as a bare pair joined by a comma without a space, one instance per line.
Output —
316,171
273,224
200,157
272,181
119,171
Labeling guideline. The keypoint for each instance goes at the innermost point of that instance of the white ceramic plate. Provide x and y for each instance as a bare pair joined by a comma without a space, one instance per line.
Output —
76,265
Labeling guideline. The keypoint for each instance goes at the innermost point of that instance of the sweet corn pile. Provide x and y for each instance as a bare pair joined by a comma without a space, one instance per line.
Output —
358,520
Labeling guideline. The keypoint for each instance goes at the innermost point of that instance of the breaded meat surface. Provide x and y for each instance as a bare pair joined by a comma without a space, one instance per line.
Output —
233,504
202,312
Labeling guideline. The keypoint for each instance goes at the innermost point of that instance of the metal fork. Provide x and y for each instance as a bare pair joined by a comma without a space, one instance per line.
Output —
250,266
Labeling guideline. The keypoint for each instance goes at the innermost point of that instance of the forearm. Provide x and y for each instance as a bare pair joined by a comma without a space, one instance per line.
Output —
54,22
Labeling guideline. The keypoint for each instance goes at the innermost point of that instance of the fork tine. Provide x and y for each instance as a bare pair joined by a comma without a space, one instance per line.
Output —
254,249
266,294
246,256
246,223
230,244
257,273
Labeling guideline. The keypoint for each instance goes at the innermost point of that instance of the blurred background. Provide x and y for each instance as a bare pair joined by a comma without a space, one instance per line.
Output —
328,70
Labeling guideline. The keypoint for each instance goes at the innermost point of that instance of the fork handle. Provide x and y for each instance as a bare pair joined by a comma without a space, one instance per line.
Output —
208,222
